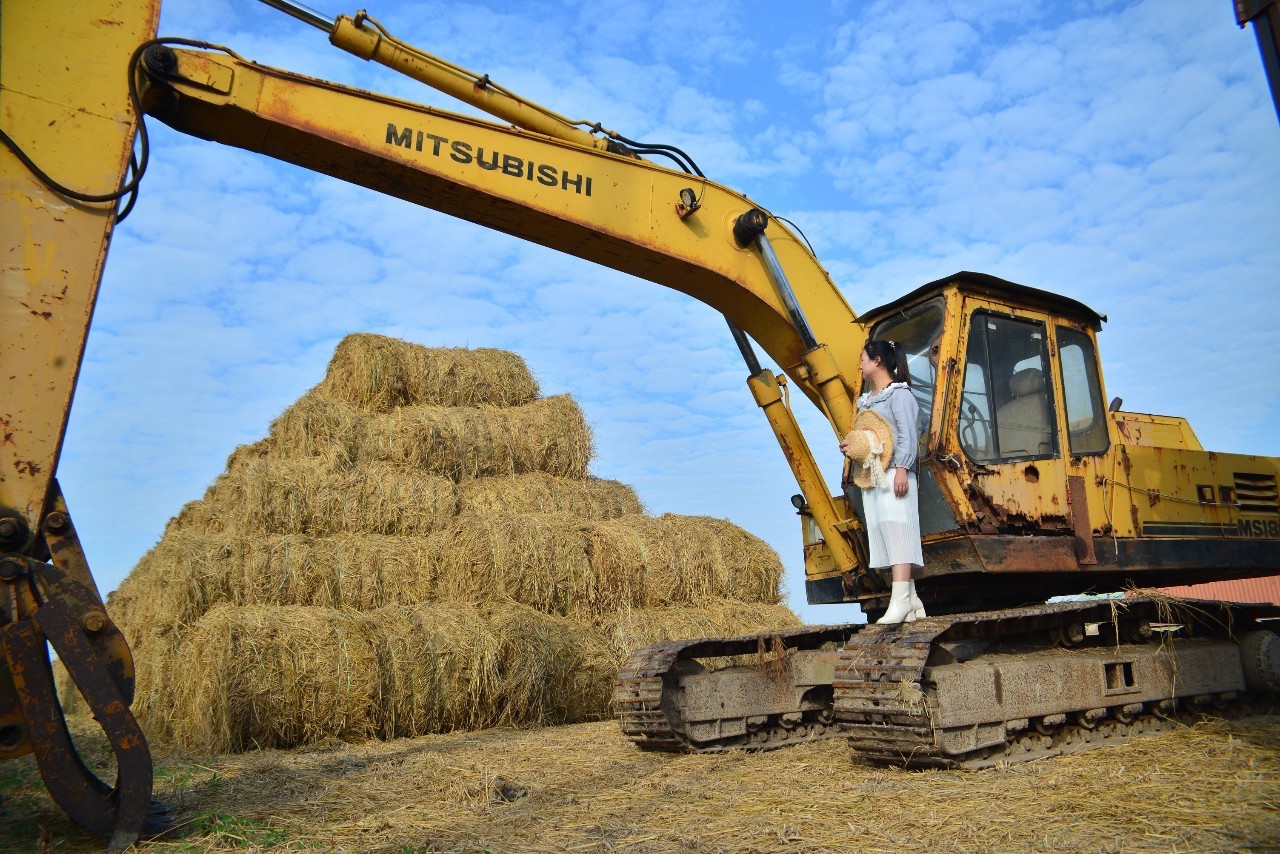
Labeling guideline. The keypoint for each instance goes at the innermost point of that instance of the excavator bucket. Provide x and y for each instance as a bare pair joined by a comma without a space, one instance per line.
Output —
55,604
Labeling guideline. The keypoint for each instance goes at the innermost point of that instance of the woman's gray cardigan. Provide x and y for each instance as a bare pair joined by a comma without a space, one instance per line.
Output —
897,405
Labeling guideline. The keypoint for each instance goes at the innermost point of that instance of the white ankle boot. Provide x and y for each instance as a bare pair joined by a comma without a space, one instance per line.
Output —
901,606
917,607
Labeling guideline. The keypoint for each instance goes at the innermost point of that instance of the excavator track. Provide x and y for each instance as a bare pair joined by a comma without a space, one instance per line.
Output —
652,690
888,677
879,693
963,691
637,695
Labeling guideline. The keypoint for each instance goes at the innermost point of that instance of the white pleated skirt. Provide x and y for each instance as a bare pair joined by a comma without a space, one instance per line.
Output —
893,524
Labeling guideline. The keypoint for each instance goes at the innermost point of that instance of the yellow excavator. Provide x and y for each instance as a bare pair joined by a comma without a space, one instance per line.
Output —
1031,485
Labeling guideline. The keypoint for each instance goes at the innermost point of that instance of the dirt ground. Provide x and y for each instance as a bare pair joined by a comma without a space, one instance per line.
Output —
1214,786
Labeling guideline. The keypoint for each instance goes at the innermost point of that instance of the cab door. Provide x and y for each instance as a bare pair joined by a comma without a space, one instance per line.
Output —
1007,427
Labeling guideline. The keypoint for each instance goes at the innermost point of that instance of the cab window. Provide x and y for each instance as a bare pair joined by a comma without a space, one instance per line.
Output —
919,331
1006,409
1086,418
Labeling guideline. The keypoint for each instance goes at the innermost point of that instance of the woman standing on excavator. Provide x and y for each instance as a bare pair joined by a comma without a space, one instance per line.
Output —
882,444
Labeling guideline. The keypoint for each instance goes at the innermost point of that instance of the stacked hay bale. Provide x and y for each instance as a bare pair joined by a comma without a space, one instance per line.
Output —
417,546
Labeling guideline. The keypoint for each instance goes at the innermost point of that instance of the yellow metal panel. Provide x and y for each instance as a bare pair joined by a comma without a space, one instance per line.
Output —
954,476
1156,431
1163,491
64,100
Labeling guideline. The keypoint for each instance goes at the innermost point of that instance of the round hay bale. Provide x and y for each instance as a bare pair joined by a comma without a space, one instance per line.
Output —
252,451
135,608
284,676
439,669
460,666
679,559
374,372
312,426
535,559
268,495
552,673
626,555
563,565
195,516
187,574
548,435
277,677
590,498
159,669
718,559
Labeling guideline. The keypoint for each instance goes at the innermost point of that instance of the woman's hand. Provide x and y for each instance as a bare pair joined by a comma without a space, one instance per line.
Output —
900,485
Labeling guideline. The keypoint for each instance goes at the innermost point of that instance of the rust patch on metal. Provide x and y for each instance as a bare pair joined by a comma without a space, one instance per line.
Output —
1028,554
27,467
1078,498
1125,427
994,518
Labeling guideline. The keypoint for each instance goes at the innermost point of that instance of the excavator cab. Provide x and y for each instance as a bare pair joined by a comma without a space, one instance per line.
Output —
1010,393
1003,452
1030,486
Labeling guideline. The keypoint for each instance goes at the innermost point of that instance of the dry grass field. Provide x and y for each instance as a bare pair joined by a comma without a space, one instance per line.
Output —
1211,787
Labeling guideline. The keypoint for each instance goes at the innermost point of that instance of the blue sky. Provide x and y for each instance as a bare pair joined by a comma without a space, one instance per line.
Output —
1125,154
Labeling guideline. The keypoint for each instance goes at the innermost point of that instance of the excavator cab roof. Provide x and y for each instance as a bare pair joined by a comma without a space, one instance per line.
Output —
990,286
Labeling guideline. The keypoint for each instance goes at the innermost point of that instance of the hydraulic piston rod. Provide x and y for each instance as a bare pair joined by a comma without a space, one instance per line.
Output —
822,369
366,38
303,13
744,347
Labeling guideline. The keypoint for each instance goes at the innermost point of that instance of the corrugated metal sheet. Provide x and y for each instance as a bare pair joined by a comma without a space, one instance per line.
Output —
1246,590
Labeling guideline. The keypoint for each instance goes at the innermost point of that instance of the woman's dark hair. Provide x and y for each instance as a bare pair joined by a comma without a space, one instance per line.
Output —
892,356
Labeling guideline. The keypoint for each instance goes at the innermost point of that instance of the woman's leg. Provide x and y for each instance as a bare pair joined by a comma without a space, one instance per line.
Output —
893,529
904,605
901,606
917,607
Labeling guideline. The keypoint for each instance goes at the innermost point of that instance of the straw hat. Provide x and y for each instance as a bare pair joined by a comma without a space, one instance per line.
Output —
869,444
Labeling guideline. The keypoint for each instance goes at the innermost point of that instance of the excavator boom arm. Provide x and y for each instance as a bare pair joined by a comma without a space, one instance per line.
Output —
560,191
618,211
